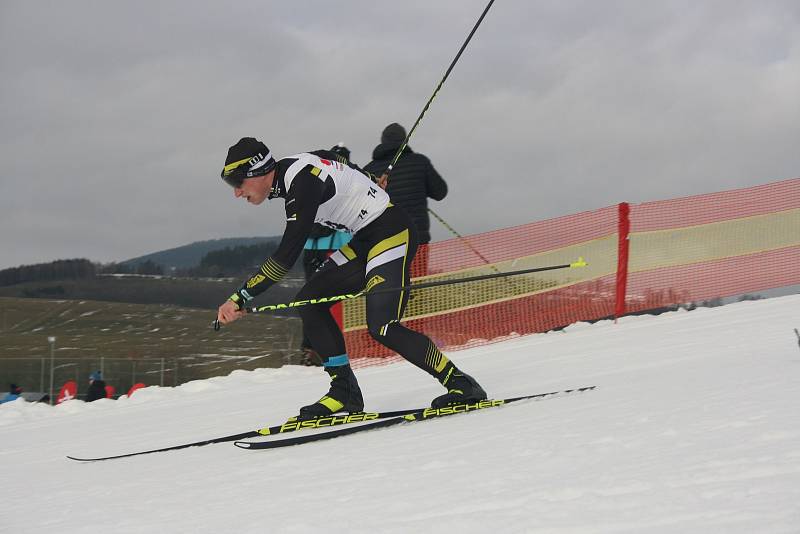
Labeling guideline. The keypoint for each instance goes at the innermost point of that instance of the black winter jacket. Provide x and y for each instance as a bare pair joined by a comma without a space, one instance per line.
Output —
97,390
413,180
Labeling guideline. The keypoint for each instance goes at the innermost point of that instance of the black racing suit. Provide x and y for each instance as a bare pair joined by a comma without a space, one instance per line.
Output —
319,188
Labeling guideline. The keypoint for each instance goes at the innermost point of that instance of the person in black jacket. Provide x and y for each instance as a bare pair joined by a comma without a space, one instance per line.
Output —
97,387
413,180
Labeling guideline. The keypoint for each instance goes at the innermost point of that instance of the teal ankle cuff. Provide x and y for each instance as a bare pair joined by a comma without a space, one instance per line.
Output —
336,361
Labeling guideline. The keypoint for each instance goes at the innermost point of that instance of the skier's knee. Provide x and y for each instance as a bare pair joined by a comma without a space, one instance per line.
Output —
311,312
380,331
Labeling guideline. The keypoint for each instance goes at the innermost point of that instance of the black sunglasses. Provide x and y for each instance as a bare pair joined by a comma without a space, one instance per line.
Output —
236,177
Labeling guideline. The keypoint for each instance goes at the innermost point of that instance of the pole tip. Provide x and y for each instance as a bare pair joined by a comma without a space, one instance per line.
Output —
579,263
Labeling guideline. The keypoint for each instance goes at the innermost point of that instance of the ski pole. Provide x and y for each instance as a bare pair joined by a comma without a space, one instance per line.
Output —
385,175
469,246
367,291
462,238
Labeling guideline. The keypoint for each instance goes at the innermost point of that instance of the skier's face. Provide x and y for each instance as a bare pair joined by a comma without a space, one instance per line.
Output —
255,190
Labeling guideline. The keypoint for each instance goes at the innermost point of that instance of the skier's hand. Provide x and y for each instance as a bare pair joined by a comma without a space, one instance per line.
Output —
383,181
229,312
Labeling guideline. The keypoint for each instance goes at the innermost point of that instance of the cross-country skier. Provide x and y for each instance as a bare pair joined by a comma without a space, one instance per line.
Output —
319,187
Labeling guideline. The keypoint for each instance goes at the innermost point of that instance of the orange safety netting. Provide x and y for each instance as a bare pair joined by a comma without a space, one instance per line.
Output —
715,245
640,257
473,313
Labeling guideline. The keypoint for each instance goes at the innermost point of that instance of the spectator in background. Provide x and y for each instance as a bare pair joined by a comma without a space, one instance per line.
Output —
97,387
14,392
321,243
412,182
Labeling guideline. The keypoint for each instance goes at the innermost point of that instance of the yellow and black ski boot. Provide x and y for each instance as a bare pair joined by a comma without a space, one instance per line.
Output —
343,396
461,389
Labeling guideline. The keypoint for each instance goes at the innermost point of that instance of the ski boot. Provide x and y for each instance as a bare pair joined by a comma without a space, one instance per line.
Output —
343,396
461,389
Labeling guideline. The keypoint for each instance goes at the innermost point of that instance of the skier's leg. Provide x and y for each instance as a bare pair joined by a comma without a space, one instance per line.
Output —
388,264
312,259
342,273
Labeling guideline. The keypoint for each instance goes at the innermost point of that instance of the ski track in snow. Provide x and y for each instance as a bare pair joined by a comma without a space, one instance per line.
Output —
693,427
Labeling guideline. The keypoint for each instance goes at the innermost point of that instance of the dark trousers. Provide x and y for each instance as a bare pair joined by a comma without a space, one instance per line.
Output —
379,256
312,260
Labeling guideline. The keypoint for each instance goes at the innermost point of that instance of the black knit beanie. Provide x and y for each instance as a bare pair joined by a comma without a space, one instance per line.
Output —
393,135
252,152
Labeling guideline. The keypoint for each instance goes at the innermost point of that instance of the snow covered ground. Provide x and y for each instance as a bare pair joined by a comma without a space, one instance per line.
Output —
694,427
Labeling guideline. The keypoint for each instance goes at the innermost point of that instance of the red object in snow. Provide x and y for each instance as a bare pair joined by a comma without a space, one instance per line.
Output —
134,387
68,391
110,392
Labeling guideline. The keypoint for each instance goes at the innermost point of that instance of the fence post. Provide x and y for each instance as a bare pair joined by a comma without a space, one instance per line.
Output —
52,341
41,378
623,231
161,380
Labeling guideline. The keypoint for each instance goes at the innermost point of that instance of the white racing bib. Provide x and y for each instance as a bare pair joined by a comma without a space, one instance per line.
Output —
357,200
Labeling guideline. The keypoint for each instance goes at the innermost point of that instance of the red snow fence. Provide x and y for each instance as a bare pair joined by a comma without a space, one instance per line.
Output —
640,257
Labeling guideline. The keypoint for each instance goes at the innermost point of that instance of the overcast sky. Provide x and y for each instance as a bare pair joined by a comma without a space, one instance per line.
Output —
115,117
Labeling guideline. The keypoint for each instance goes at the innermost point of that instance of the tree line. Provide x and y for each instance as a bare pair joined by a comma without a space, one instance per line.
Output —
55,270
230,261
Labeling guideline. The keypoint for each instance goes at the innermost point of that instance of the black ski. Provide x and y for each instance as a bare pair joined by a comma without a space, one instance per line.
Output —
223,439
293,426
289,426
415,416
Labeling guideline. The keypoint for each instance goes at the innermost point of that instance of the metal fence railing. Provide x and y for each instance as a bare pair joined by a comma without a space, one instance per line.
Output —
47,375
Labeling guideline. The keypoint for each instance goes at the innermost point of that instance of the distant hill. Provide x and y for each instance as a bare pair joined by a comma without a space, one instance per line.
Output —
188,256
